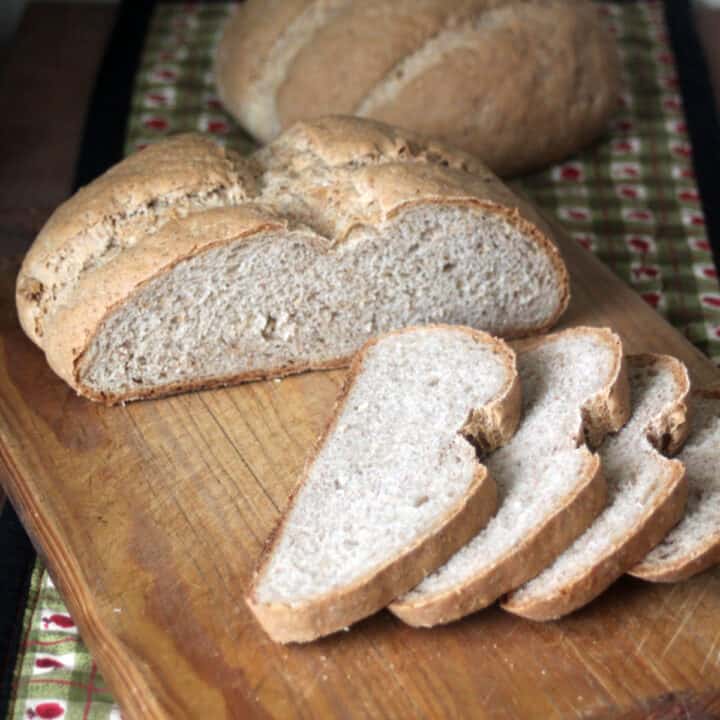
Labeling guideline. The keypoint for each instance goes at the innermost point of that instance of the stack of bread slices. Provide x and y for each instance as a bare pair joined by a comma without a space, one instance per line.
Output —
458,471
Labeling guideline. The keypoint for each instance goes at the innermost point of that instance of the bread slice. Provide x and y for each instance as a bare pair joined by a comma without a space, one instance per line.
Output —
646,495
693,545
394,486
550,485
186,266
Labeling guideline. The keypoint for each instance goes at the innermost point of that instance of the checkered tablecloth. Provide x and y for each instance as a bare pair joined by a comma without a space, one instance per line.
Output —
632,199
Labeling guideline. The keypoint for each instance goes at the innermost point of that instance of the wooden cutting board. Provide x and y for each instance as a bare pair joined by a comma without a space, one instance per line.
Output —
151,516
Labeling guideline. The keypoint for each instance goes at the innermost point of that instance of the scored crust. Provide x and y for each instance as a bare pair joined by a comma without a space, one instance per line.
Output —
572,103
606,412
667,430
382,32
335,610
347,173
238,64
702,558
282,63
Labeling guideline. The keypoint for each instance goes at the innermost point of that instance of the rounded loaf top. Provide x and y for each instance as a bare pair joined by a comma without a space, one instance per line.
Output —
519,83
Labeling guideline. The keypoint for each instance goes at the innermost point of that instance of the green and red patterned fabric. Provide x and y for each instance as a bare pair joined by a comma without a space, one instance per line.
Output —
55,676
632,199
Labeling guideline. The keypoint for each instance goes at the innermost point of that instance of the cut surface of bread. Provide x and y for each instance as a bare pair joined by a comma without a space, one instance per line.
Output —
394,486
550,486
231,269
280,62
693,545
646,495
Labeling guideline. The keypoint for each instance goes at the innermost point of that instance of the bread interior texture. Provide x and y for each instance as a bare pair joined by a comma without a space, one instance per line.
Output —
393,465
540,468
283,301
699,530
637,477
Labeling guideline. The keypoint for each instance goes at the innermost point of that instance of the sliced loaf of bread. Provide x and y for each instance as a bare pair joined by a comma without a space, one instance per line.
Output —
394,486
550,486
187,266
693,545
646,495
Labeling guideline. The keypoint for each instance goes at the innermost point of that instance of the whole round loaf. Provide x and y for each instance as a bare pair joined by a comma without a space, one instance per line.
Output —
519,83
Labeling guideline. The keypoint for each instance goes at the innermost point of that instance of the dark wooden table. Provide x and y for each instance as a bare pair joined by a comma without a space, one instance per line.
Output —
46,78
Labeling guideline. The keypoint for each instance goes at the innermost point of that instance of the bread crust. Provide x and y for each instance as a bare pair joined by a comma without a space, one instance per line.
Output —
386,31
336,610
495,120
246,45
608,409
696,562
669,429
517,566
558,70
343,173
182,166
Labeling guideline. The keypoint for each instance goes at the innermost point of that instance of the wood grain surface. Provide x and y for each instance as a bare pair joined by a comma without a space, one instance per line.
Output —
46,77
151,516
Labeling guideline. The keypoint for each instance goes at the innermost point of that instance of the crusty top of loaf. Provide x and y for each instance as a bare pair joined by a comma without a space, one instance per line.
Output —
323,177
240,64
338,140
183,164
384,32
347,171
552,93
129,202
495,71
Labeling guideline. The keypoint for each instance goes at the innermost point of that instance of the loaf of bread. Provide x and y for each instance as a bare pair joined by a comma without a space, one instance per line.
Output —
519,83
646,495
187,266
394,486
